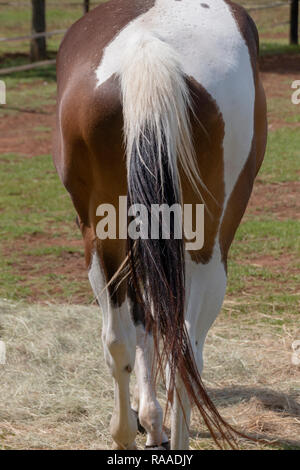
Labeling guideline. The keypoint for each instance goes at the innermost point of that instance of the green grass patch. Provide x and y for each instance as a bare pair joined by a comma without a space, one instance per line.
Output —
282,160
51,250
24,96
34,203
43,129
32,199
281,109
264,285
11,282
295,119
273,47
31,90
274,283
16,21
274,237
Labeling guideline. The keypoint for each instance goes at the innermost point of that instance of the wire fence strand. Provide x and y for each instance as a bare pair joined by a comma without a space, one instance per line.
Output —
6,71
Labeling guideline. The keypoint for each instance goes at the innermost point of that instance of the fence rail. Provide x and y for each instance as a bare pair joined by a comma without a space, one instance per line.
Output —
6,71
26,67
35,36
267,6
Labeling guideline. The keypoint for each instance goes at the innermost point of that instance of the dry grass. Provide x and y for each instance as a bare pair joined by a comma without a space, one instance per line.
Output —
250,374
56,392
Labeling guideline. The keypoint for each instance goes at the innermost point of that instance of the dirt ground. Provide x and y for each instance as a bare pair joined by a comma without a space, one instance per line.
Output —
278,73
282,201
70,263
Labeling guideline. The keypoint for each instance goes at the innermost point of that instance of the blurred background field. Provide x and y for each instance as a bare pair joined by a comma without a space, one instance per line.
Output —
55,390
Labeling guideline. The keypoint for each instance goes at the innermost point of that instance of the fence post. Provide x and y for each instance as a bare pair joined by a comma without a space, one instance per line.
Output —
86,6
294,38
38,48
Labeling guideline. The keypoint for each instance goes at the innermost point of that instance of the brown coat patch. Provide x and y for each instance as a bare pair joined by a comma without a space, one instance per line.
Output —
208,135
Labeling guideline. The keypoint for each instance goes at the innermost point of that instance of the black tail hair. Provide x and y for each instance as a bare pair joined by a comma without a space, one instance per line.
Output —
158,280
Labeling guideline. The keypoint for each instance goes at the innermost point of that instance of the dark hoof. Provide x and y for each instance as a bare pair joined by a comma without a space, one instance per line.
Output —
166,445
141,430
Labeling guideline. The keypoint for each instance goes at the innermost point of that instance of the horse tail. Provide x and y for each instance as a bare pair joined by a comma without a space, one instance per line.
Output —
157,108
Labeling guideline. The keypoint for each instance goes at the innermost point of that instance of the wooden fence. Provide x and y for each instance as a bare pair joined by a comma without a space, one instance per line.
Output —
6,71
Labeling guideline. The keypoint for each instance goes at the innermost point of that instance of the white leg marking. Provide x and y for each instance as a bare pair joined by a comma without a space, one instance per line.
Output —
206,287
119,342
205,291
150,412
180,418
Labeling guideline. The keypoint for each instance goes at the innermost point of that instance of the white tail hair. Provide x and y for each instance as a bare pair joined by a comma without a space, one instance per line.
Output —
156,101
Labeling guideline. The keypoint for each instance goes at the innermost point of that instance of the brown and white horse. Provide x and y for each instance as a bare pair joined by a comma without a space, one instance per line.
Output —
180,79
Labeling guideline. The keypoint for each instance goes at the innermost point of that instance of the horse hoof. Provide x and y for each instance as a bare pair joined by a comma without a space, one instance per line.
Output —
116,446
164,446
141,430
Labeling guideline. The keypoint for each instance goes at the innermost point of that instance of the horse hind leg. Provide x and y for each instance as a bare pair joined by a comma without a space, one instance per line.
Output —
205,290
149,411
180,418
119,343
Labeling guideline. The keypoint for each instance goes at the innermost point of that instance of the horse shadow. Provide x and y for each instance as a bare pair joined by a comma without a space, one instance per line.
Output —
284,404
